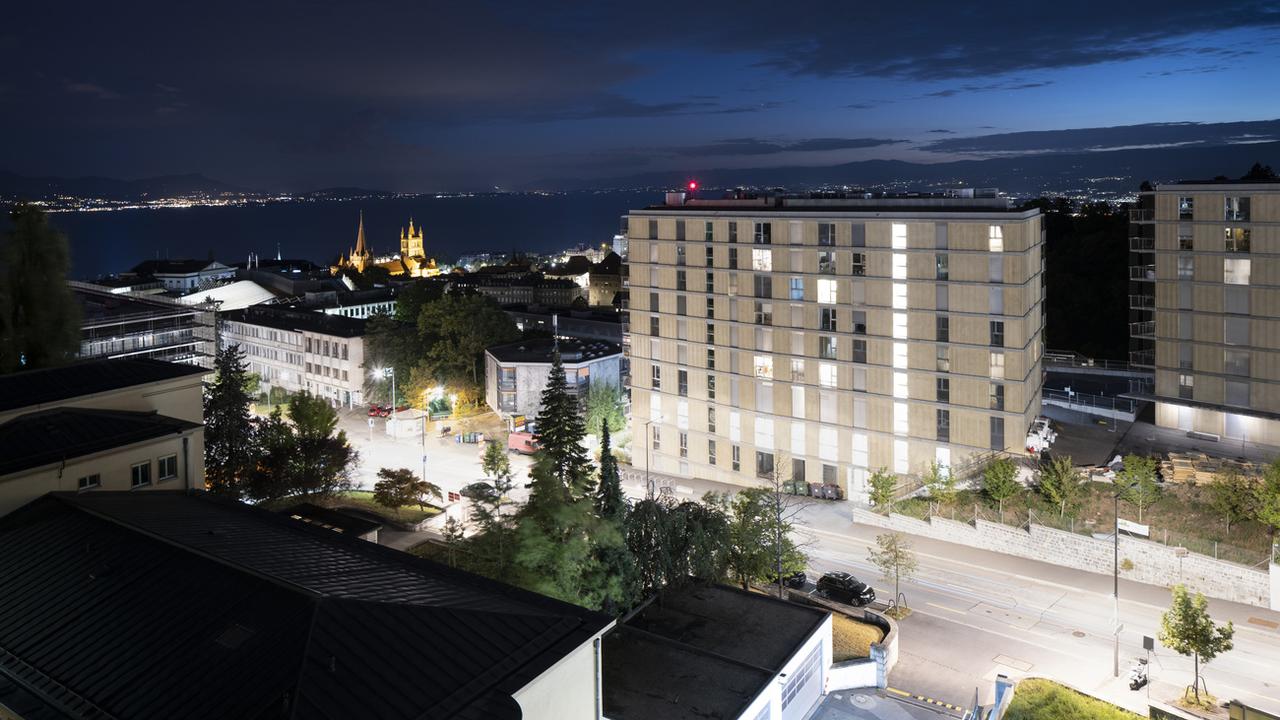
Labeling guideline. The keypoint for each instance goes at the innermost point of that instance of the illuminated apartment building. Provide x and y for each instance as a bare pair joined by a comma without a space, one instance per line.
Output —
823,338
1205,306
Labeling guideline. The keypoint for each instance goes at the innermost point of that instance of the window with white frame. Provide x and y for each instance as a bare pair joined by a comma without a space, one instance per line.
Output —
827,447
762,259
899,266
899,236
827,293
167,467
860,455
995,238
140,474
827,375
764,366
997,366
764,433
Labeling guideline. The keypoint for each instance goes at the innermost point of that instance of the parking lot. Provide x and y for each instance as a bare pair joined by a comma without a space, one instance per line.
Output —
873,704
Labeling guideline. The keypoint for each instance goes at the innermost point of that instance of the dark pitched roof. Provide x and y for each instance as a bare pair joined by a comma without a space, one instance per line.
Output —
536,350
610,265
35,387
701,651
113,600
297,320
48,436
172,267
329,519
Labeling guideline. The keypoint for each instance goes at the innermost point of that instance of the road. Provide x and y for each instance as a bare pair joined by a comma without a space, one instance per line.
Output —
977,614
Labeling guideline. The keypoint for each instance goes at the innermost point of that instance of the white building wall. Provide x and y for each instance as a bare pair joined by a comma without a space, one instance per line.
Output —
569,690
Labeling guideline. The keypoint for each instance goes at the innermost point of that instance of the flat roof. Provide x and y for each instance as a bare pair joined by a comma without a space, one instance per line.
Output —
701,651
88,377
1265,185
282,318
330,519
573,351
112,598
49,436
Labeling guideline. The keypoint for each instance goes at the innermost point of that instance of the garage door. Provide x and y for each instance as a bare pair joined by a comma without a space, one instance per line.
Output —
804,687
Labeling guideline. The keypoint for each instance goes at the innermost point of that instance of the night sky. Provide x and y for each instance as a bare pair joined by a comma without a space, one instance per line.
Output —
421,96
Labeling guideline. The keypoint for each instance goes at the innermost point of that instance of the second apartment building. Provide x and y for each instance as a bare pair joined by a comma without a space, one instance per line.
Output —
824,338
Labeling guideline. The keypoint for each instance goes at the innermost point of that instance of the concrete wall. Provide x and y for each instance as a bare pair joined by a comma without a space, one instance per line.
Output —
114,468
569,690
178,398
1153,563
860,673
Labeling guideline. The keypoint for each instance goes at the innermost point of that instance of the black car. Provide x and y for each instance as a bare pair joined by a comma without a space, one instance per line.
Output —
794,580
843,587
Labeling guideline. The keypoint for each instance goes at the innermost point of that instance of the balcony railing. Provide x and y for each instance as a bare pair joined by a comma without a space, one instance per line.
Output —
1141,215
1142,272
1142,358
1142,302
1139,243
1146,328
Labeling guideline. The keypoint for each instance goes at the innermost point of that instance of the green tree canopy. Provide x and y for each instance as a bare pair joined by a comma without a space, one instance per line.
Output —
229,449
1267,498
882,489
399,487
1000,481
1187,629
1233,496
561,431
1060,484
758,537
1136,482
39,315
940,482
895,559
324,457
604,406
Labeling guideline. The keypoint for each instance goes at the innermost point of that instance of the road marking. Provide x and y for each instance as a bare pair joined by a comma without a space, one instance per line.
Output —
948,609
922,698
1264,623
1012,662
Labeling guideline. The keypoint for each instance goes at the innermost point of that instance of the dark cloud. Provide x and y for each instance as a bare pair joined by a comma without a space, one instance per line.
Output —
758,146
988,87
943,132
92,90
1111,138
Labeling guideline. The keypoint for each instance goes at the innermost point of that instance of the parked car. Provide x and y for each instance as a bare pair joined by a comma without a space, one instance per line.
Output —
845,588
794,580
521,442
375,410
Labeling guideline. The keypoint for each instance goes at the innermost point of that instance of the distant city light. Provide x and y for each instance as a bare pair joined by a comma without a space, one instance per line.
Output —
693,184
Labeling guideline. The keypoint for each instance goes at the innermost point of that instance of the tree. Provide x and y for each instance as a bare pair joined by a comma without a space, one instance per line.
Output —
457,329
274,474
613,559
1260,172
611,504
1060,484
760,544
554,549
229,448
454,537
495,462
895,558
1136,482
940,483
1267,499
1187,629
1000,481
1233,497
604,406
325,458
882,489
39,315
560,434
400,487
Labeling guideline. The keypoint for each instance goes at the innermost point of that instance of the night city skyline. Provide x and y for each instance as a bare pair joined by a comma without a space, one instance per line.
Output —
422,98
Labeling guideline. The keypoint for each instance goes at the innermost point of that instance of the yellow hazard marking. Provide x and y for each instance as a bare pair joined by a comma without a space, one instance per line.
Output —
924,699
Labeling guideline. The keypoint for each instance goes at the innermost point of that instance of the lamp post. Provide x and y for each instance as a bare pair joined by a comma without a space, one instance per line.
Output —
1115,579
391,373
648,483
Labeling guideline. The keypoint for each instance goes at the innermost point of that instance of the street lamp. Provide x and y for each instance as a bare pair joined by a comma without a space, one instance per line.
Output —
391,373
648,483
1115,579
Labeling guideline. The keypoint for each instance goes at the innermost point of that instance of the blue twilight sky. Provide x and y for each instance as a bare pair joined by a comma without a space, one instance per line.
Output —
421,96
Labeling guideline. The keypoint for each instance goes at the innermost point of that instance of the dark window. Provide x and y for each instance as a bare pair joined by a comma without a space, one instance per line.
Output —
657,377
859,235
708,234
944,425
828,320
826,233
997,333
943,266
997,396
711,307
997,433
733,258
680,253
711,358
711,333
827,263
684,445
711,257
682,383
797,470
764,464
653,326
88,482
943,386
764,313
733,232
168,467
679,229
859,266
682,305
859,351
943,331
737,458
653,229
653,302
763,234
711,281
827,347
859,322
682,282
140,474
711,387
711,420
829,475
711,452
763,285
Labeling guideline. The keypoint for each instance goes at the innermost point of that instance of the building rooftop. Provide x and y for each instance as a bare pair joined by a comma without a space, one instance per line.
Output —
277,619
522,280
176,267
983,201
49,436
282,318
701,651
89,377
329,519
539,350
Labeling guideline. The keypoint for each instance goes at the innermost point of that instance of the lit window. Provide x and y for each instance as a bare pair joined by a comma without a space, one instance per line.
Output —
899,296
995,238
827,293
900,423
900,385
1235,271
827,447
764,433
1186,208
900,326
860,453
682,414
797,402
762,259
899,266
764,366
900,456
797,288
827,375
735,426
997,366
899,236
900,356
1236,239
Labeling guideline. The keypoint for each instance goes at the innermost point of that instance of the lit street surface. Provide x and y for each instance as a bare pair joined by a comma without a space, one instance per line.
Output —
977,614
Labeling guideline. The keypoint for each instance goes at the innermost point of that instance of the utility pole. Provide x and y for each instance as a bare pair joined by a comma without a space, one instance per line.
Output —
1115,578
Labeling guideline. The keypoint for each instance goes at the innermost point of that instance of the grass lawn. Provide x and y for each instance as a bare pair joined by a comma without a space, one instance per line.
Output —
852,639
363,499
1183,515
1037,699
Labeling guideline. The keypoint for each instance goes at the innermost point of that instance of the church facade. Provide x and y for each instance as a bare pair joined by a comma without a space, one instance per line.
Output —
411,261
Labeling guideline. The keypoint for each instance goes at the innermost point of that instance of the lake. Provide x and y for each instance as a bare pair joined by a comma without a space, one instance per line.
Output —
111,242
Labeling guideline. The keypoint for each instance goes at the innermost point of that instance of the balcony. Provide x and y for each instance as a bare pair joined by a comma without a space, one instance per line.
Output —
1142,272
1142,214
1142,302
1142,358
1138,243
1146,328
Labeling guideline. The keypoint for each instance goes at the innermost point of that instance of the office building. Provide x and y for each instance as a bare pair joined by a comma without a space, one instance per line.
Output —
118,323
297,350
516,373
818,339
1205,306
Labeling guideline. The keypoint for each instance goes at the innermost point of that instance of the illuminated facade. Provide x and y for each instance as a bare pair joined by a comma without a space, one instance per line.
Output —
411,260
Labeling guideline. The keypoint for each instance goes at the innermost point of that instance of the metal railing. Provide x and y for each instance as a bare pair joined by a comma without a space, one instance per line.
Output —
1142,243
1141,302
1142,358
1068,358
1145,327
1142,272
1086,402
1141,214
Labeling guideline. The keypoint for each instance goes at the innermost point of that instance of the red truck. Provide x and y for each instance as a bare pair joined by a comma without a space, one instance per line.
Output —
521,442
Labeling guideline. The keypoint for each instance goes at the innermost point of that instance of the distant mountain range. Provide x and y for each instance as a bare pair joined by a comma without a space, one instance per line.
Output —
1115,171
15,187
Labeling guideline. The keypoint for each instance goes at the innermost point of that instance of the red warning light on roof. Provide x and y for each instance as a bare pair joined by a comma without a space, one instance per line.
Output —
693,184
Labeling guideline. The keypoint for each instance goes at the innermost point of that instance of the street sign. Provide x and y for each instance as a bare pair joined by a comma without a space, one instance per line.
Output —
370,422
1133,528
1148,642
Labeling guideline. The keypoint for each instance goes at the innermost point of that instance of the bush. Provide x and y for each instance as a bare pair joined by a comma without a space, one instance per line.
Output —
1038,699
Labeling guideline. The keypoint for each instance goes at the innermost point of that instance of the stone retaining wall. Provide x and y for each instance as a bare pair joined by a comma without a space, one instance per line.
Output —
1153,563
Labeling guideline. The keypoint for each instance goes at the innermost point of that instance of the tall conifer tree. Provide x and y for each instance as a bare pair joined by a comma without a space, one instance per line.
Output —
229,440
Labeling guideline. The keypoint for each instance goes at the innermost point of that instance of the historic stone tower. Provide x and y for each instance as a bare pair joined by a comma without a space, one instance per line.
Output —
411,242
